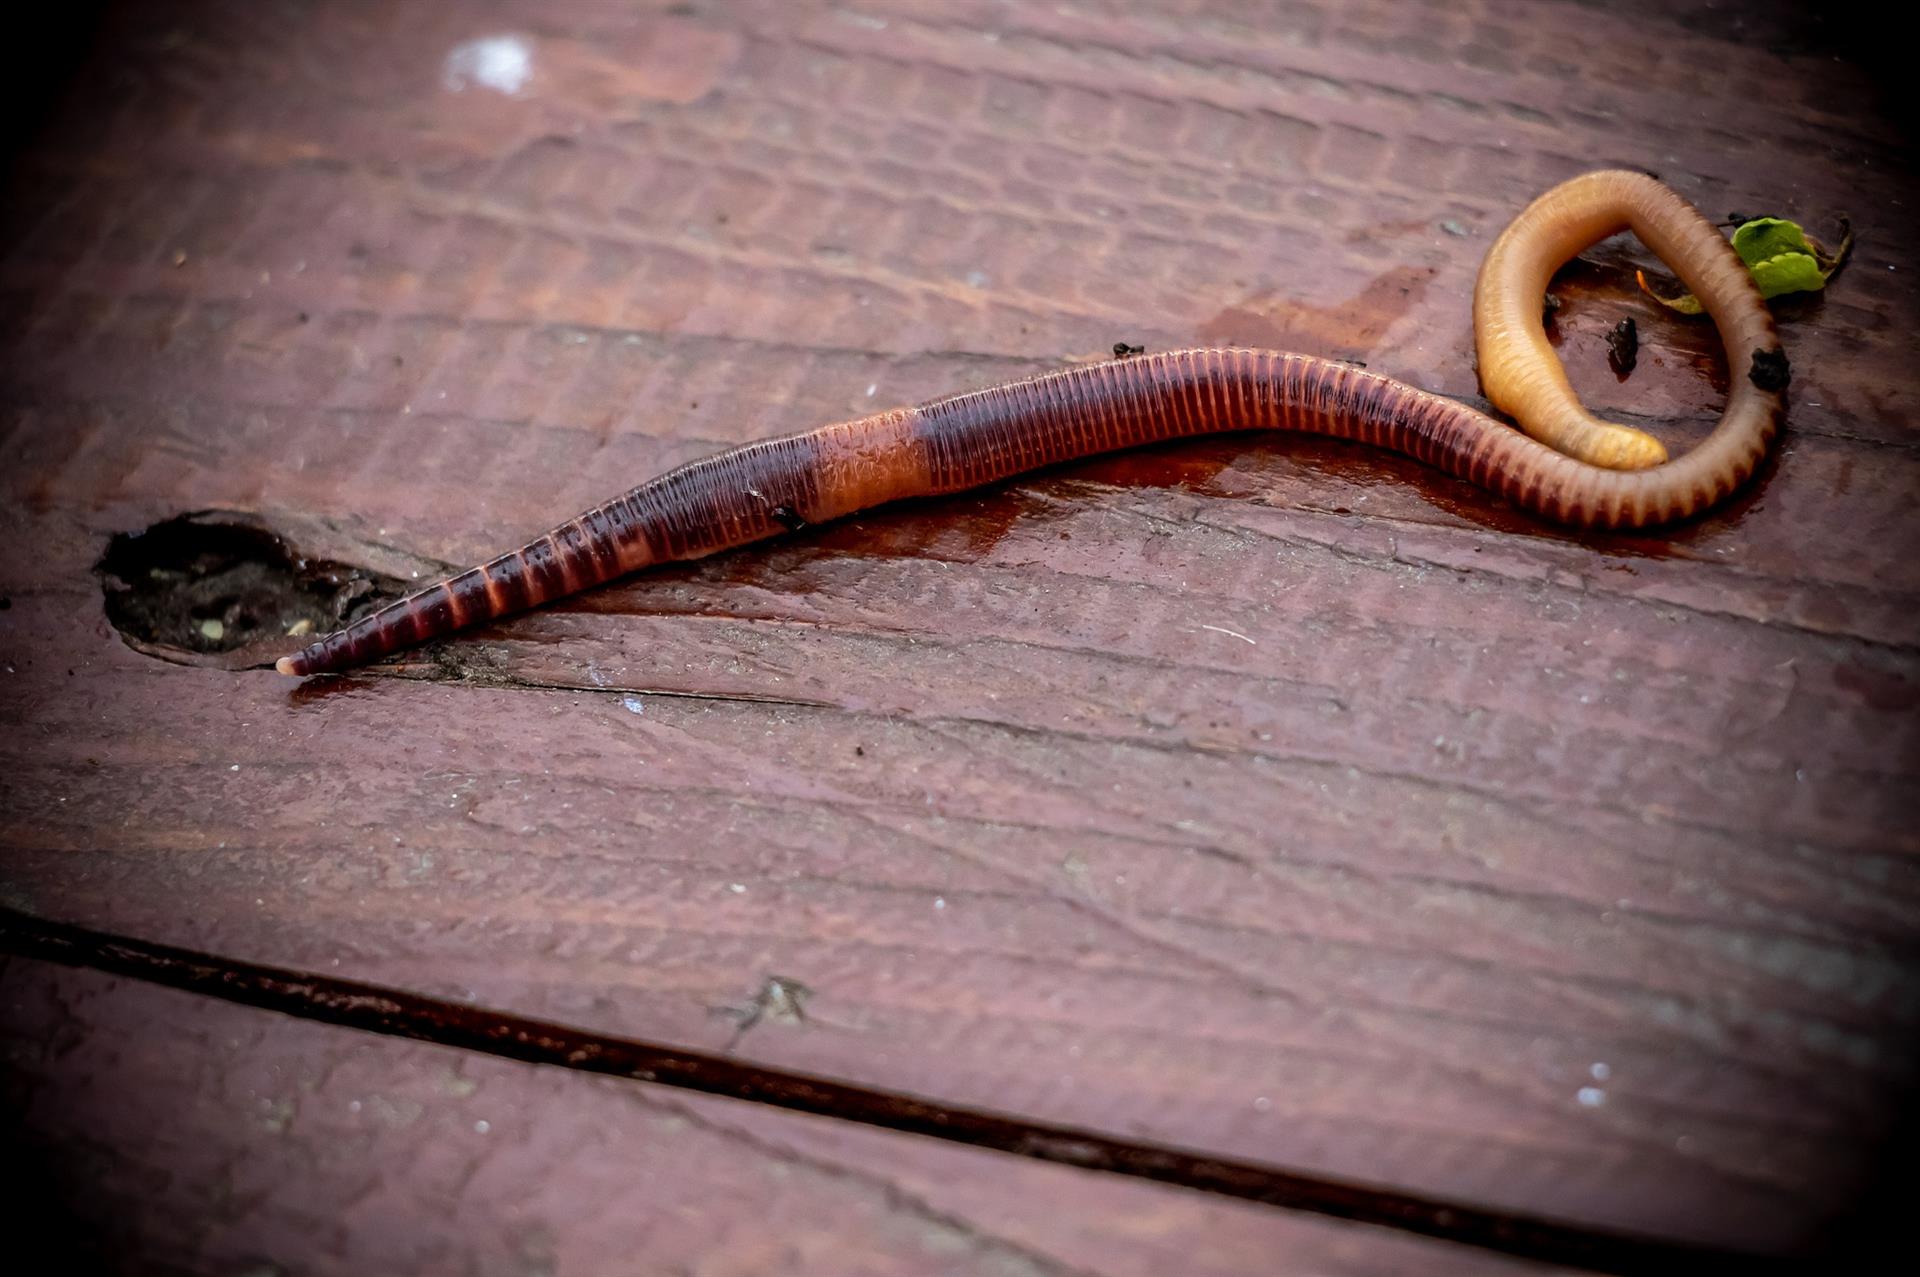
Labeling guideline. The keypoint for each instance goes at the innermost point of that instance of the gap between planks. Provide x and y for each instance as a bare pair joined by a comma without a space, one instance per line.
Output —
396,1013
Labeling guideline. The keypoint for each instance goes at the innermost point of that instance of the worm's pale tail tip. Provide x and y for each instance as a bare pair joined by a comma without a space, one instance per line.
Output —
286,666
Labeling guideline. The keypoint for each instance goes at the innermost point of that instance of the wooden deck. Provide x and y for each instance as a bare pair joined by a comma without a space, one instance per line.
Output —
1529,898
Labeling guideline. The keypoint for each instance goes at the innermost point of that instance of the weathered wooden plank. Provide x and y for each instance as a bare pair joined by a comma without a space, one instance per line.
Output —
1571,874
171,1133
1376,975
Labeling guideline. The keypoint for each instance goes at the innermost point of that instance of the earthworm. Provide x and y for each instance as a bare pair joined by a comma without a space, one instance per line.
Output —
1575,468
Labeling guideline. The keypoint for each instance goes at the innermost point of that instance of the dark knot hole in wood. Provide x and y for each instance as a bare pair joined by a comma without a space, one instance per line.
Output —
225,589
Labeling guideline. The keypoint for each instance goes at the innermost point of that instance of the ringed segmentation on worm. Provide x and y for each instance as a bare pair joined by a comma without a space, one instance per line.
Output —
1568,466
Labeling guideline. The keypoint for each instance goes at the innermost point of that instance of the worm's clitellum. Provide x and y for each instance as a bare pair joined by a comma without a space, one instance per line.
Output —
1575,468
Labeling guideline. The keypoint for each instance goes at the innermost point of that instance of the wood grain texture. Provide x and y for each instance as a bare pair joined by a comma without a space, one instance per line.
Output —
1271,796
195,1136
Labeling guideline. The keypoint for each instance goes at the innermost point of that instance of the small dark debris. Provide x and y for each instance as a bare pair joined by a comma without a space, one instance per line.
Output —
1122,350
1352,363
303,316
787,517
1770,370
859,751
1623,346
779,1000
1549,309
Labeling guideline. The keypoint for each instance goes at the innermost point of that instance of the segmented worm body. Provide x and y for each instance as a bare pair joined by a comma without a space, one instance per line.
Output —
1574,468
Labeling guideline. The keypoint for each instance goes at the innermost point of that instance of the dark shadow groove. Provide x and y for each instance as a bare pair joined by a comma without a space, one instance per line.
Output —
399,1014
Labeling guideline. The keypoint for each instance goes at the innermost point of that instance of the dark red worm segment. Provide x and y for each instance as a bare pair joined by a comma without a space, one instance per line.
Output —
761,489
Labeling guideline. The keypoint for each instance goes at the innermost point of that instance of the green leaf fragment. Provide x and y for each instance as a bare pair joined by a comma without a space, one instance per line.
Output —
1788,273
1782,258
1685,303
1765,238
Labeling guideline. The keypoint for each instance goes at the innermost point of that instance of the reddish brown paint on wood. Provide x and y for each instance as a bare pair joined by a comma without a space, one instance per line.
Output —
169,1131
1480,806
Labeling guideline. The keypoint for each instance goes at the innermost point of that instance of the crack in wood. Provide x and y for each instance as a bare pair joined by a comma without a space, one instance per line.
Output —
396,1013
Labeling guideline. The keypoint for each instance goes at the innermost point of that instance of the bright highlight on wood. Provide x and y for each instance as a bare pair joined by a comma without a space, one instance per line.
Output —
1575,468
